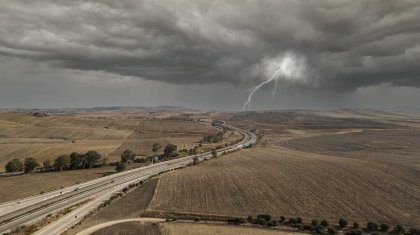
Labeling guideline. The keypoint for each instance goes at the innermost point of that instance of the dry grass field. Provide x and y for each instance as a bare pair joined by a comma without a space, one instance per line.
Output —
110,133
14,187
182,228
210,229
132,205
130,228
362,170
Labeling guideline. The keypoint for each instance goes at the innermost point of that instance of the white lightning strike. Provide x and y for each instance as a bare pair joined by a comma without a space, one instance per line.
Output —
288,67
273,77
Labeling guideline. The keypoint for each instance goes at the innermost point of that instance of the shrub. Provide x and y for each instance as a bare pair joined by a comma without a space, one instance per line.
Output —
249,219
399,229
14,165
384,227
196,219
299,220
292,221
342,223
355,225
261,221
318,229
324,223
332,231
282,218
121,166
315,222
272,223
236,221
413,231
308,227
354,232
371,226
267,217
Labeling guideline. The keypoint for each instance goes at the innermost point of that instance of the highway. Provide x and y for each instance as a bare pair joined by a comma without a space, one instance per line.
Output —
29,210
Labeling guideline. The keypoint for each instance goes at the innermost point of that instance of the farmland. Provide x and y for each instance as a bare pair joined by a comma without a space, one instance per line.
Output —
110,133
300,169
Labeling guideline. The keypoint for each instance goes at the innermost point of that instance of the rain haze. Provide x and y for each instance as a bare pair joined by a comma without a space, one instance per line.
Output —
211,54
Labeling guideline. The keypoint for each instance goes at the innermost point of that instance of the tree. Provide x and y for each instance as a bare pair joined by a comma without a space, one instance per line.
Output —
14,165
46,165
354,232
282,218
61,163
30,164
92,157
267,217
249,219
324,223
127,155
371,226
384,227
315,222
355,225
155,148
299,220
76,161
399,229
214,153
342,223
170,151
121,166
332,231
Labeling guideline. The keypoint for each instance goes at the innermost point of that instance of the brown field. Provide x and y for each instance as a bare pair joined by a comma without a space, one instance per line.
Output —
182,228
132,205
130,228
25,185
210,229
362,170
110,133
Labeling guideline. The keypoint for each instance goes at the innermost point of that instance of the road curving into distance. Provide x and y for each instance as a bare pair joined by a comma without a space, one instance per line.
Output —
29,210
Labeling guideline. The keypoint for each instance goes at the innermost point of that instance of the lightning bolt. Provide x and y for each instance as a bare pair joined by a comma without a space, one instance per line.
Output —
270,79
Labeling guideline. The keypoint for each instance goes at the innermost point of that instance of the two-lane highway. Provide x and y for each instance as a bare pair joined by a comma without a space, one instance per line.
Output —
31,209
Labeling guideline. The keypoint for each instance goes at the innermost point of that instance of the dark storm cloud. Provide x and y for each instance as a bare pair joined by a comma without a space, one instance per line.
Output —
348,44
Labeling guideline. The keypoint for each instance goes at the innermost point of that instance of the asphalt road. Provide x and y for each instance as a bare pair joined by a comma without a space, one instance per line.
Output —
29,210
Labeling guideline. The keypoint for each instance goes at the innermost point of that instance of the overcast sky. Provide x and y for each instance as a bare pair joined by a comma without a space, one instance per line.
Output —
209,54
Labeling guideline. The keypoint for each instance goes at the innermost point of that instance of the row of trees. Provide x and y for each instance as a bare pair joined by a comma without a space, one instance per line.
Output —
73,161
323,226
16,165
213,138
170,151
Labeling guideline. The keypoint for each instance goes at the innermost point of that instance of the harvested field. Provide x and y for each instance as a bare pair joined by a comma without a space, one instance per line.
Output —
210,229
400,147
130,228
23,135
32,184
281,181
132,205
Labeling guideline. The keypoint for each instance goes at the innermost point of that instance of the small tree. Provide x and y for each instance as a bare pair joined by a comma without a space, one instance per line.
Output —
30,164
324,223
342,223
155,148
371,226
76,161
127,155
61,163
170,151
332,231
46,165
14,165
92,157
399,229
214,153
355,225
267,217
299,220
383,227
315,222
121,166
282,218
249,219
